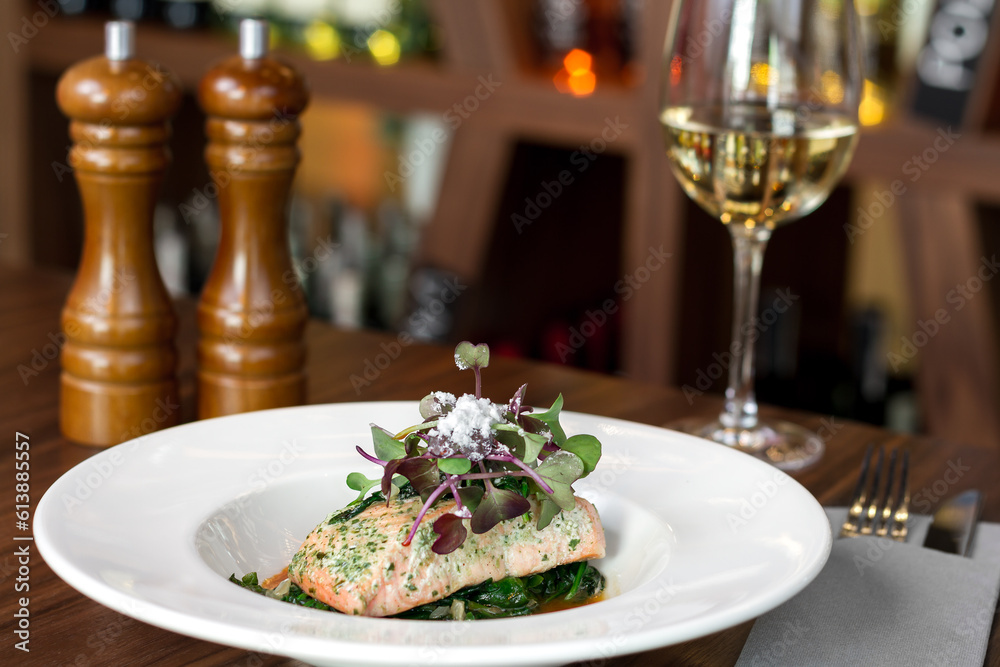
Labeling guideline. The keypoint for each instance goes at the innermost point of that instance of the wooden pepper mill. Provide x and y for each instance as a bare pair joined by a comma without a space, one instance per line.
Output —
252,314
119,360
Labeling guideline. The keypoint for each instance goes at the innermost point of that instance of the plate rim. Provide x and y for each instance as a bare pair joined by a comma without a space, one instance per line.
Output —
220,631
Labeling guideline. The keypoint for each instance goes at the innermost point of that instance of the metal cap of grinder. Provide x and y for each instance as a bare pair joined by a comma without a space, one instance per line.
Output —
254,36
119,40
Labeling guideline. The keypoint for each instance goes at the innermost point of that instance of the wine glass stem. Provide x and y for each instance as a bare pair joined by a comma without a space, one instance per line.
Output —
748,254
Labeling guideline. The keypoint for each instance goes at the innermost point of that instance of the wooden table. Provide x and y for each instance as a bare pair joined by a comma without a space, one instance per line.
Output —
67,628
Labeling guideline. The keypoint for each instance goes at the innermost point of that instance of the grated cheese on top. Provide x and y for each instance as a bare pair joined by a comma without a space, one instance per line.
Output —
444,397
466,430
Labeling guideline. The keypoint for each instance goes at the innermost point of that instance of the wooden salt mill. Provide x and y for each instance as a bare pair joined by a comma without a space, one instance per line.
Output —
252,314
119,360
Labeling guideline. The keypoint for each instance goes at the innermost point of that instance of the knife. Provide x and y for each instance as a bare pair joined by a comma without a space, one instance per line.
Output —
954,524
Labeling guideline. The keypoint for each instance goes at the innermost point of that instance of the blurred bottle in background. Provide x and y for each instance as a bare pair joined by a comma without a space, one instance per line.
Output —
173,252
135,10
78,7
563,42
561,26
334,270
186,14
305,24
415,29
895,33
630,25
229,13
345,280
380,31
582,42
396,243
868,364
383,31
878,40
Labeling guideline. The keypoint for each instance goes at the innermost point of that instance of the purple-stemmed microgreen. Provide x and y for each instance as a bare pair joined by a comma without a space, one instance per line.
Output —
476,357
496,461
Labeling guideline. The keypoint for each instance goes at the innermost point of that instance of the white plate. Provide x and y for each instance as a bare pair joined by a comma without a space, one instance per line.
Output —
700,538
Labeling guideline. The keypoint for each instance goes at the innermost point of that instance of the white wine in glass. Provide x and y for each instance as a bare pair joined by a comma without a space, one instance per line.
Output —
759,118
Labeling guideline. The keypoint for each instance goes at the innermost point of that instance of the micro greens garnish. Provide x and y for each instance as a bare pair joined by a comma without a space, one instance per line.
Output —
474,451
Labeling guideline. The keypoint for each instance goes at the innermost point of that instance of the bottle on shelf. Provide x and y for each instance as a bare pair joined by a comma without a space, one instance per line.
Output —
186,14
413,27
385,31
561,26
119,360
564,45
307,25
135,10
252,314
231,12
584,42
80,7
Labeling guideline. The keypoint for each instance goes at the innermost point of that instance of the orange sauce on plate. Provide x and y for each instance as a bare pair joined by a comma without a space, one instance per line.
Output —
272,582
559,604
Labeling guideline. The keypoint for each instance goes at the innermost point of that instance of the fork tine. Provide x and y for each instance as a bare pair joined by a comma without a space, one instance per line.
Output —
889,499
863,477
872,511
901,514
852,523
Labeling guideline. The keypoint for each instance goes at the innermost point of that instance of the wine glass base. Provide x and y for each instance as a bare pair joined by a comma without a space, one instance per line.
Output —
785,445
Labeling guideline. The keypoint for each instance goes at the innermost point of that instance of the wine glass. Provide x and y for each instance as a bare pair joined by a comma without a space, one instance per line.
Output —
759,116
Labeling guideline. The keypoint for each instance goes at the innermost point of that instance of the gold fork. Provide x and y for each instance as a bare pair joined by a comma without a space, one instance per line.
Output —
876,508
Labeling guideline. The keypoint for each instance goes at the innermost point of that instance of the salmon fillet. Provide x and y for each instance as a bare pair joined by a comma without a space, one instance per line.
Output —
360,566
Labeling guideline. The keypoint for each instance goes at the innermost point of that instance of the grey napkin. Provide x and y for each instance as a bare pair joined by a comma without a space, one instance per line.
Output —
879,602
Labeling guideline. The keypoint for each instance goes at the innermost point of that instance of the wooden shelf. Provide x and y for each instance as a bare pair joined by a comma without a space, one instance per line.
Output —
969,165
418,86
410,86
188,54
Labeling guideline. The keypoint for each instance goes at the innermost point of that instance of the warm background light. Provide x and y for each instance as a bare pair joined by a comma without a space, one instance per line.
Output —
576,77
384,47
578,62
833,87
761,73
871,111
322,41
676,67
